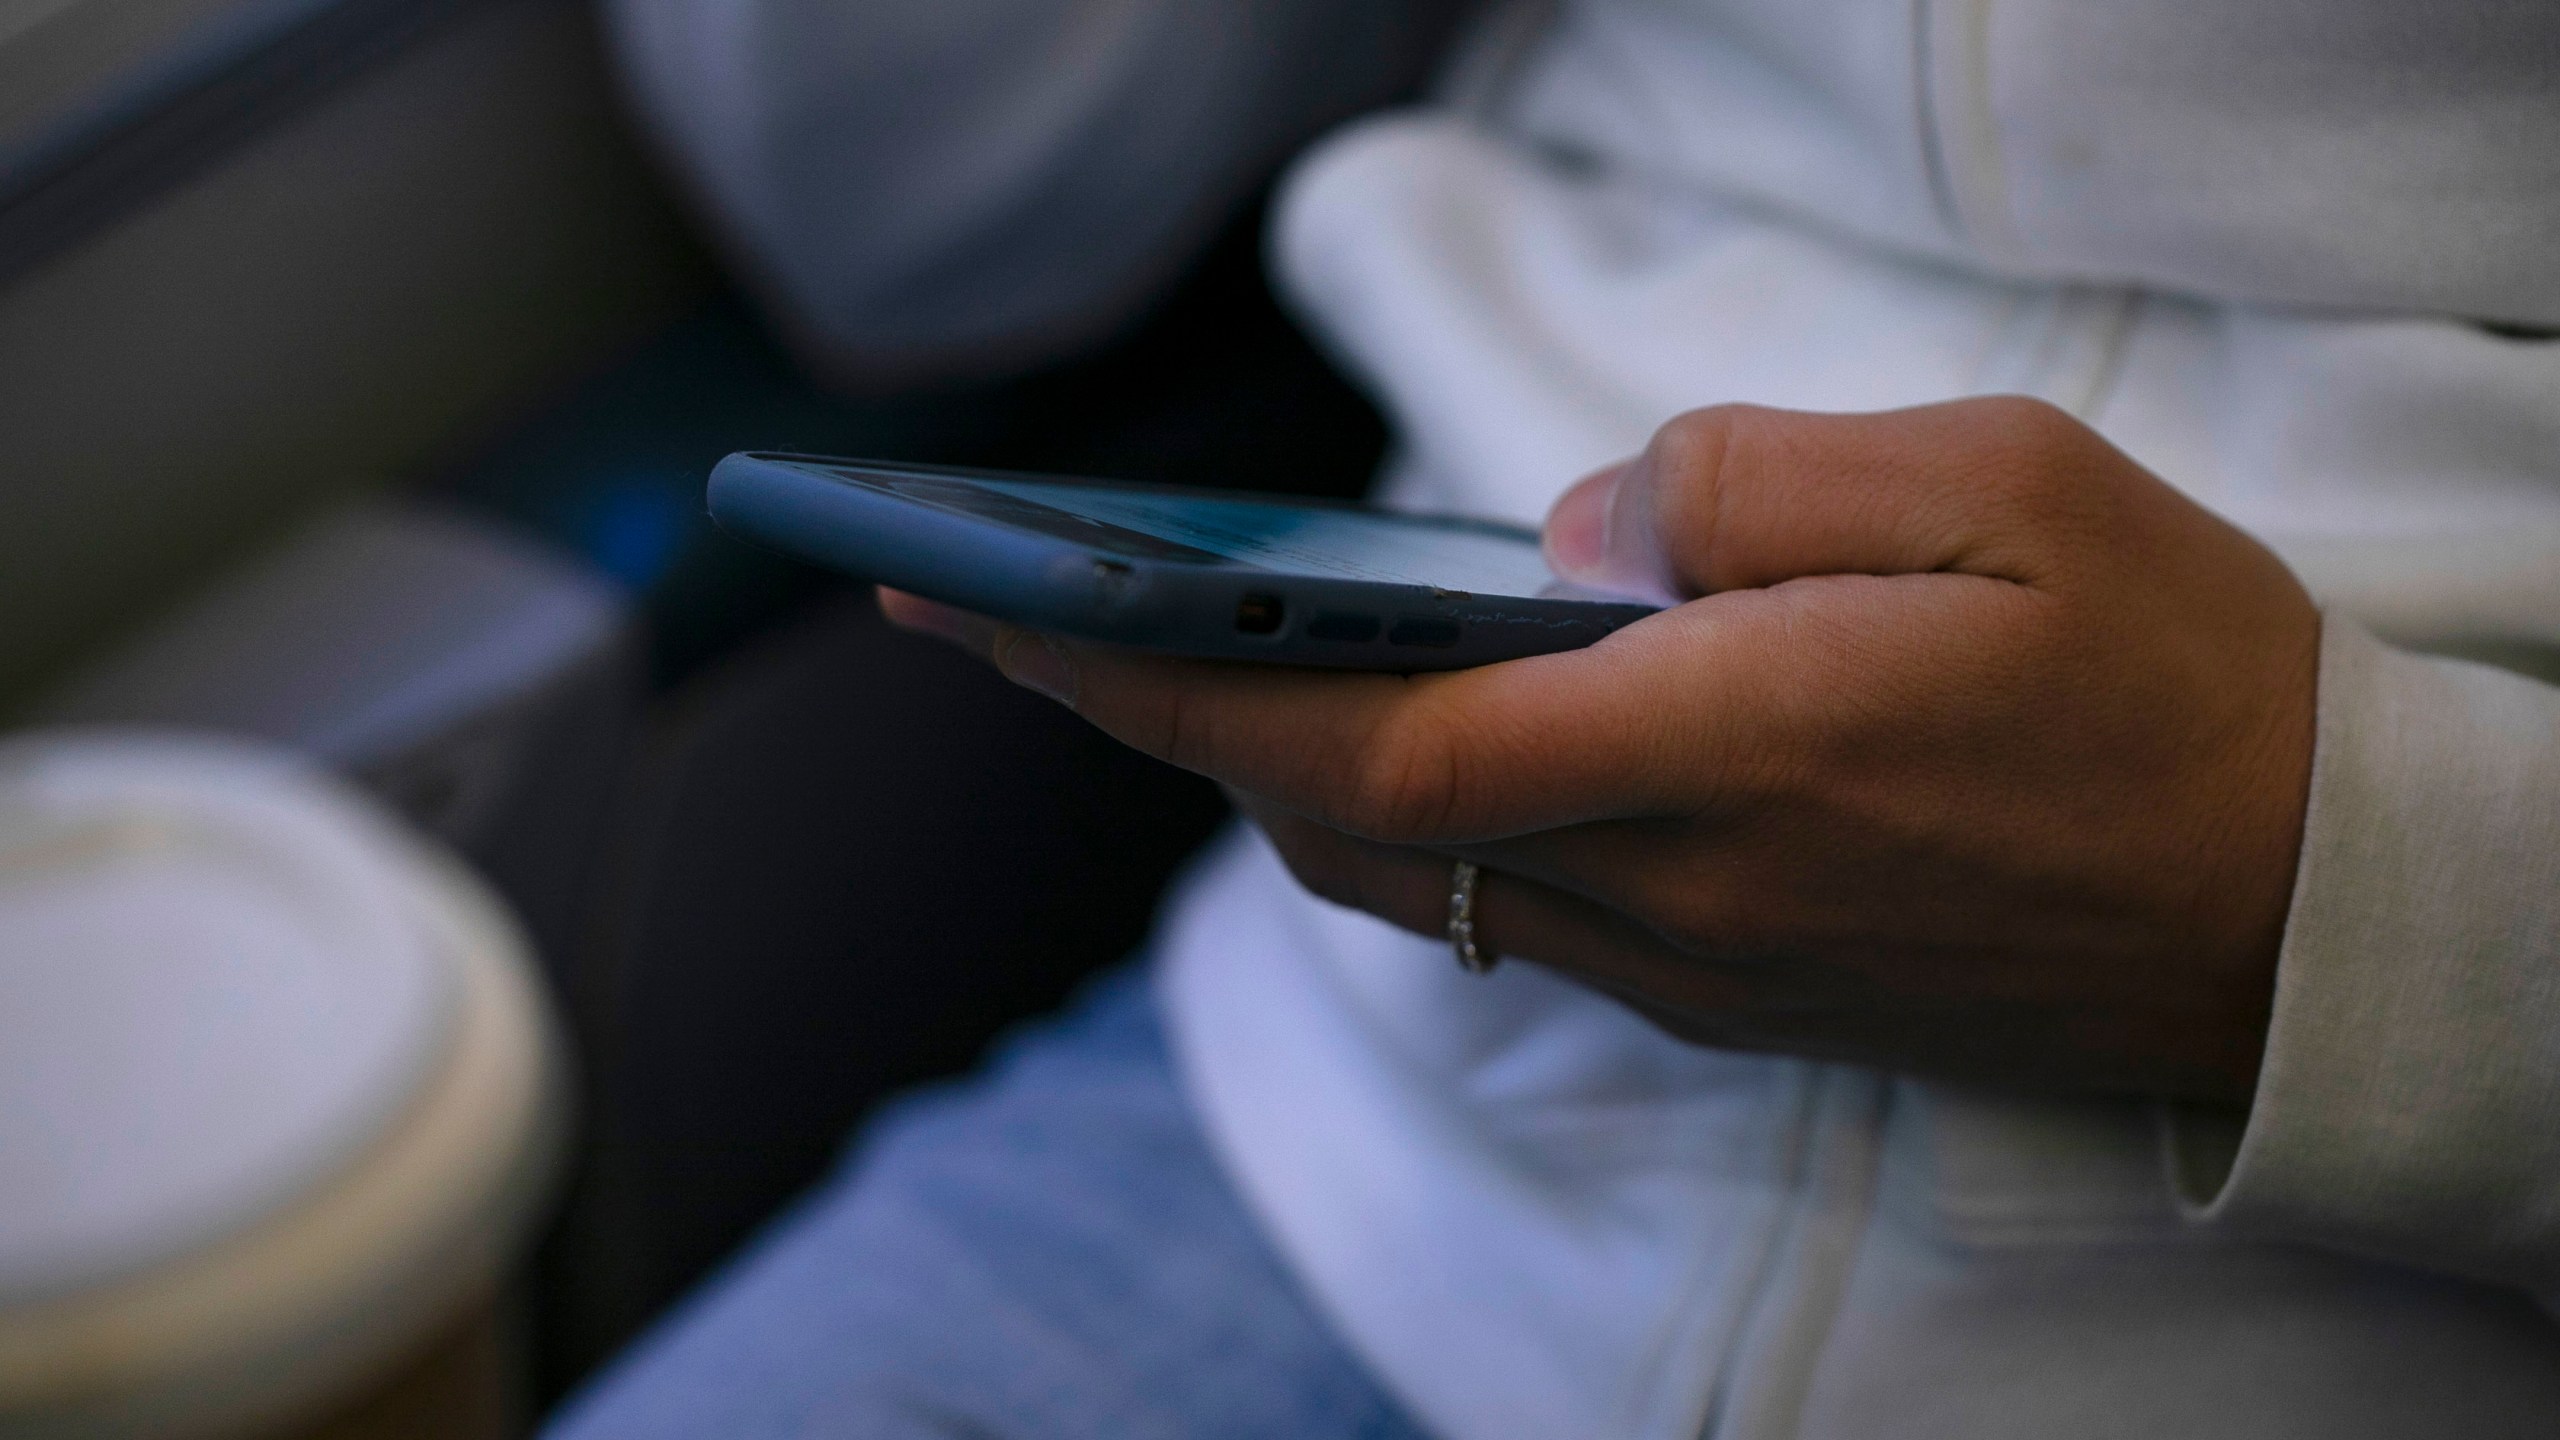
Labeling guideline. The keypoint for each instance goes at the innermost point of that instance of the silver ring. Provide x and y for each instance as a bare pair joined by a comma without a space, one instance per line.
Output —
1472,958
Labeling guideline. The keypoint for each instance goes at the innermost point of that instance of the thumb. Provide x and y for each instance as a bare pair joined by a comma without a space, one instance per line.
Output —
1737,497
1589,542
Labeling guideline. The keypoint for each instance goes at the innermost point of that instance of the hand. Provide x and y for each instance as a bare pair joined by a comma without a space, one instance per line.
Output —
1975,750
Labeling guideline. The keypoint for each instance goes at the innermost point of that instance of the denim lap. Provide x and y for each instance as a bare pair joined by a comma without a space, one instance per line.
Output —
1047,1249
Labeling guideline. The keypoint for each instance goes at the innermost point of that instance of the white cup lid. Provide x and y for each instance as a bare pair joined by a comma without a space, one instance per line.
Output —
212,997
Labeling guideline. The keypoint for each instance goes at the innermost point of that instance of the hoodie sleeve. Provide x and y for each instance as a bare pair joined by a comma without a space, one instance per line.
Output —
923,188
2408,1108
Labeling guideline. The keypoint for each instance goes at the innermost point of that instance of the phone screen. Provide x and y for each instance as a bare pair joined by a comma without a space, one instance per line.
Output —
1450,554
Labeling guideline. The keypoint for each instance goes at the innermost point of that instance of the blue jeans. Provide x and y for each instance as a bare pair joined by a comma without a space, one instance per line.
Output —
1048,1249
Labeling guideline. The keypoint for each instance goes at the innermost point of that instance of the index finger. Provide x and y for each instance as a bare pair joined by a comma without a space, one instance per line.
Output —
1439,758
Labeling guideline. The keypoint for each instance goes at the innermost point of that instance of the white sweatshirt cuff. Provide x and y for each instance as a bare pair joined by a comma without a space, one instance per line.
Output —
2408,1108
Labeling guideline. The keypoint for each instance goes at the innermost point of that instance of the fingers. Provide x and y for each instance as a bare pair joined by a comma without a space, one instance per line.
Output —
1024,657
1799,1005
1738,496
1904,532
1715,705
970,631
1427,759
1515,918
1505,749
1577,544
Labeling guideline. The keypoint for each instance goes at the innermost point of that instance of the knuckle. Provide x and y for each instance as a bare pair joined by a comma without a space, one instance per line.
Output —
1693,450
1172,733
1327,870
1696,437
2029,424
2036,446
1693,464
2032,470
1403,786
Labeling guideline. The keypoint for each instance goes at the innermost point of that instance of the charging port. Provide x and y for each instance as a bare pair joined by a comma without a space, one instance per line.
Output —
1259,614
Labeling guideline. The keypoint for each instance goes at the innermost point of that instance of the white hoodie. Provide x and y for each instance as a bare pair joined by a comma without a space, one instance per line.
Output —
2248,241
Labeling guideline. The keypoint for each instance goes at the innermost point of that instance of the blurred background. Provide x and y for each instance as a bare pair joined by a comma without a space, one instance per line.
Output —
359,372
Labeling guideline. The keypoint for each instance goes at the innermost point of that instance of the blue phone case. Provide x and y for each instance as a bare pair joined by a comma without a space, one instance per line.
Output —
1205,607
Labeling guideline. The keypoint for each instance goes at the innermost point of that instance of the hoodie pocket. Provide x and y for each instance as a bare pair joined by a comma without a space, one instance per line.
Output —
1981,1169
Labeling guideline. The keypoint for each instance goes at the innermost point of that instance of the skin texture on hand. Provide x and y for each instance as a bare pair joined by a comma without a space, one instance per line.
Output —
1975,750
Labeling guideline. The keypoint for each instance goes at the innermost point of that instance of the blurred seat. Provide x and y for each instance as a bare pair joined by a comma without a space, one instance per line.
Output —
480,682
258,254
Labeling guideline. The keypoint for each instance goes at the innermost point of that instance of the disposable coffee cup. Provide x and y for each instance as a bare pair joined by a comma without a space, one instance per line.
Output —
280,1098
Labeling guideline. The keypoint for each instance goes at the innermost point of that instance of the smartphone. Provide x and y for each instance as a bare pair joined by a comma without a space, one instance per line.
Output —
1220,574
